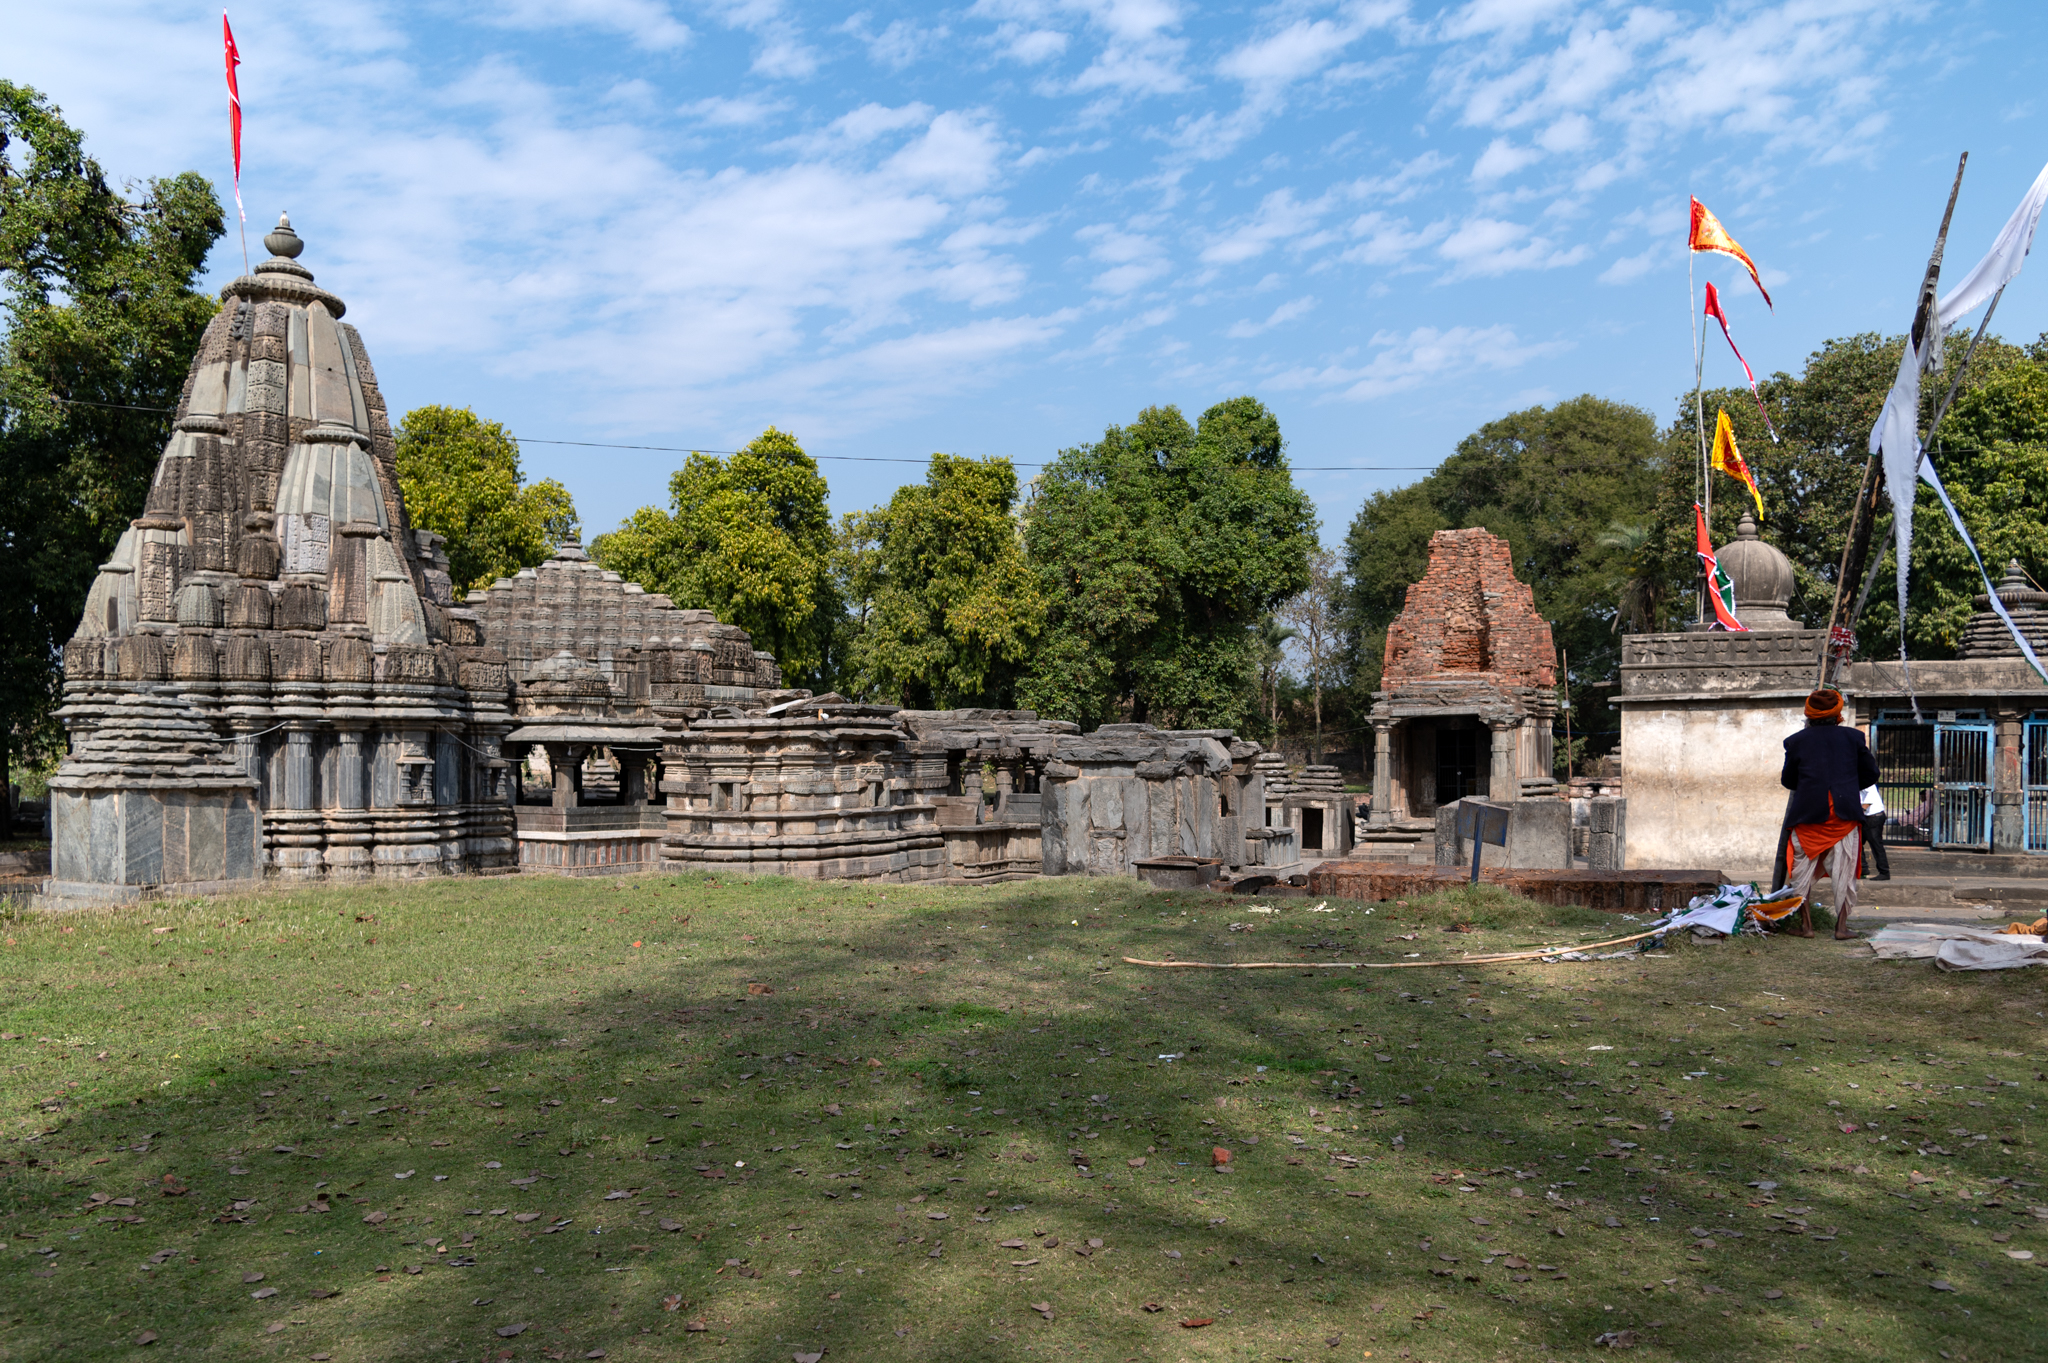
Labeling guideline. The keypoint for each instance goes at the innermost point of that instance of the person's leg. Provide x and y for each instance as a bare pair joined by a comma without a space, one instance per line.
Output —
1804,869
1844,859
1873,837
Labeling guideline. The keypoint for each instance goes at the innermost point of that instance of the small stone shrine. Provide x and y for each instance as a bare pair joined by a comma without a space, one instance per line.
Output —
1312,804
604,670
1961,744
1466,701
271,676
1704,715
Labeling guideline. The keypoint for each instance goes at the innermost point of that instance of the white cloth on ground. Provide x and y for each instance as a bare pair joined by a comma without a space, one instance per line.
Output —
1958,948
1718,912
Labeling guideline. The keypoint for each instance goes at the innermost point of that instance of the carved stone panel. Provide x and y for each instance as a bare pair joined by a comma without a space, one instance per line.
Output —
307,540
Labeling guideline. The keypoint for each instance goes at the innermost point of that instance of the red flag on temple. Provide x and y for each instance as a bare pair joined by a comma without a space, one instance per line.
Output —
234,59
1720,587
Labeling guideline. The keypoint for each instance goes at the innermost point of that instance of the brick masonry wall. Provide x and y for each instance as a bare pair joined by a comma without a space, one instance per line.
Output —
1468,615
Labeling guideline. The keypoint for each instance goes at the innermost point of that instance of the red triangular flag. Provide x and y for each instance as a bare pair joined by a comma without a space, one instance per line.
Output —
234,59
1720,587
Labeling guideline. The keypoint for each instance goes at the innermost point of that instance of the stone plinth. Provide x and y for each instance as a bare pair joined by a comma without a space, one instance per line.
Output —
1539,838
1609,891
590,840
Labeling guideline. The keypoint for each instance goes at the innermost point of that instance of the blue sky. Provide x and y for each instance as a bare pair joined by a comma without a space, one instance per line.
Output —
996,227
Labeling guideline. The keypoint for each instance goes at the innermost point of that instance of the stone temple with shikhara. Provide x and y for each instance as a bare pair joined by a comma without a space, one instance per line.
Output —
273,681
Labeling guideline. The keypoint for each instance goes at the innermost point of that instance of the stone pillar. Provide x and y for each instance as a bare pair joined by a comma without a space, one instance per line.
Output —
566,761
1382,772
298,770
1504,782
349,783
294,824
632,776
2008,785
350,824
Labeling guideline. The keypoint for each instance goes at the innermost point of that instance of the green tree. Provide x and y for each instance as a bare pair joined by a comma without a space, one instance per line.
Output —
746,537
461,479
100,324
1158,549
949,608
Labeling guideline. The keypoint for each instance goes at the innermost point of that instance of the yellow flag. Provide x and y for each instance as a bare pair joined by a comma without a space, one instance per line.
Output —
1728,459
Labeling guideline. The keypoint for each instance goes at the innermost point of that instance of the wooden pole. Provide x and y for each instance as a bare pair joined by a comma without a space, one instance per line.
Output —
1856,549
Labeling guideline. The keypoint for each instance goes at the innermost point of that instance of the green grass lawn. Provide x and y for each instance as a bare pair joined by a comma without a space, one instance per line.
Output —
562,1119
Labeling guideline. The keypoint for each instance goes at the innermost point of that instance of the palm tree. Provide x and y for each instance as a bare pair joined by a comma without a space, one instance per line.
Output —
1271,642
1641,592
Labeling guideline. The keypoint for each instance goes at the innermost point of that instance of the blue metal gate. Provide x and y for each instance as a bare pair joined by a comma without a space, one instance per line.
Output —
1962,789
2034,772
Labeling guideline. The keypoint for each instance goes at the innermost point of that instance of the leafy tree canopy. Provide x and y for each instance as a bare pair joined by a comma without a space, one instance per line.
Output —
100,324
461,479
1157,550
949,609
748,538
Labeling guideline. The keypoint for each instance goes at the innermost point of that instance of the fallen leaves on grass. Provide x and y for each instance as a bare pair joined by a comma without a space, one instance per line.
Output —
1197,1323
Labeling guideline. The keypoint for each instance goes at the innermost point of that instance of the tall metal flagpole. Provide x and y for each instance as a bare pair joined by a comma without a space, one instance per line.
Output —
1849,579
1705,484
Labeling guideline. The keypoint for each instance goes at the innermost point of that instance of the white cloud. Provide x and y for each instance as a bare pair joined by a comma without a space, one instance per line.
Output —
1423,356
1390,241
1280,316
1134,259
1502,158
649,23
1482,247
743,111
1279,217
898,45
1628,269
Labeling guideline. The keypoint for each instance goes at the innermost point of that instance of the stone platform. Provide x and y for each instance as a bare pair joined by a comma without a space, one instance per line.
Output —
1610,891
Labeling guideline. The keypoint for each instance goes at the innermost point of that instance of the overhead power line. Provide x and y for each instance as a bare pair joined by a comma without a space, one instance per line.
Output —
837,458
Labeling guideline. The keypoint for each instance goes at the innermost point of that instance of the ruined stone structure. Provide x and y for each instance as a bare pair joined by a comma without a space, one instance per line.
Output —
273,680
605,672
1467,696
1312,805
1130,792
271,676
982,770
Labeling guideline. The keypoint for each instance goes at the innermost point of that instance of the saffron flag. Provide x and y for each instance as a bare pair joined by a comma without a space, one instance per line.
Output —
234,59
1714,311
1728,459
1709,235
1720,589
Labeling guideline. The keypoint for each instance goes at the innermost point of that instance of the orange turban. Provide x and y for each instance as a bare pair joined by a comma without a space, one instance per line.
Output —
1825,705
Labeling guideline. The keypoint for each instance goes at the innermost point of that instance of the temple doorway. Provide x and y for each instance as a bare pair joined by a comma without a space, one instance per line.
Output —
1458,773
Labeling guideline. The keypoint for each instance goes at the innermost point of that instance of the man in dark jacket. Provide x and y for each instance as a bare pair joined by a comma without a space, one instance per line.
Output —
1826,768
